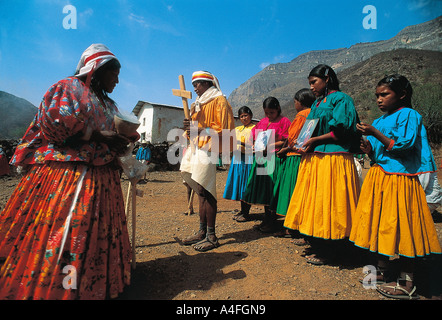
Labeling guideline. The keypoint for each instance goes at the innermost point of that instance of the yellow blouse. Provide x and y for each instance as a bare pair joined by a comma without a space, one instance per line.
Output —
243,135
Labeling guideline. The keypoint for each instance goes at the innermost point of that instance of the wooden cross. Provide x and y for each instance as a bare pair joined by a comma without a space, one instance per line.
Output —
184,95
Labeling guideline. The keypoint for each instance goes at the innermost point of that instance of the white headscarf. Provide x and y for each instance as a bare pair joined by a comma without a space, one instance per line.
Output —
93,58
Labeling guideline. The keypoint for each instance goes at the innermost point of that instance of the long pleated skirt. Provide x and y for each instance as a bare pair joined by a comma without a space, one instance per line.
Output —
325,196
262,178
393,217
237,177
63,233
285,183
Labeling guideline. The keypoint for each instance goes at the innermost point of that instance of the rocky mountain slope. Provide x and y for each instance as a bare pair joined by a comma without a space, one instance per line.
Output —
15,115
282,80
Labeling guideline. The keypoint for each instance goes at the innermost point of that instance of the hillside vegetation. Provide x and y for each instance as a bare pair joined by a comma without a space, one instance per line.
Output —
15,115
282,80
422,68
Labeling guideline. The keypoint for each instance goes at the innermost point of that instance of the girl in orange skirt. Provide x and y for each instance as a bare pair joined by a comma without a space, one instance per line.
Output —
392,216
63,232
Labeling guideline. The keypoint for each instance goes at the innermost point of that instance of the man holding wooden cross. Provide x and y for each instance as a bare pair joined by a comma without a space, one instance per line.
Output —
212,113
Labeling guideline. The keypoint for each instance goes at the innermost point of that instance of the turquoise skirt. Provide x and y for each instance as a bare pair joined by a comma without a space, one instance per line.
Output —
238,176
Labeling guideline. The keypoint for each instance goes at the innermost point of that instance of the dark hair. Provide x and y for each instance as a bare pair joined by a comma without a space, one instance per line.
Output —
398,84
272,103
245,109
305,97
322,71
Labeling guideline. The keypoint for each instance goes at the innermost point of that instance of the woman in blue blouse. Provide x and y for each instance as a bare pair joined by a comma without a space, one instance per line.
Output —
392,216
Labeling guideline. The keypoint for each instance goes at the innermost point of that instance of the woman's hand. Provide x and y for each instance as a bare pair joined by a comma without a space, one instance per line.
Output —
368,130
365,146
282,152
309,145
116,142
365,129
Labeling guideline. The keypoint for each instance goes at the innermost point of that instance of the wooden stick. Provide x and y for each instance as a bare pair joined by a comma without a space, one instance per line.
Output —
134,223
190,205
127,199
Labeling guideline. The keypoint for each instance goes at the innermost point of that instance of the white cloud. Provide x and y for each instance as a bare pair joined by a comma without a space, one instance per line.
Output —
426,7
138,19
153,23
279,58
263,65
87,13
418,4
276,59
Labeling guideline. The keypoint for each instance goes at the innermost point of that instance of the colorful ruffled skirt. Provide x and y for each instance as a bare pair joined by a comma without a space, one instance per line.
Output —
285,183
262,178
325,196
237,177
63,233
393,217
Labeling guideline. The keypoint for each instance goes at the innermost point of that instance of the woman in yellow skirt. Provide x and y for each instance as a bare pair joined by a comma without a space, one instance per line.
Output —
63,232
392,216
327,189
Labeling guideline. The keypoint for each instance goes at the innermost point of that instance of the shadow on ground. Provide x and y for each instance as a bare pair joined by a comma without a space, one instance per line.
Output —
160,279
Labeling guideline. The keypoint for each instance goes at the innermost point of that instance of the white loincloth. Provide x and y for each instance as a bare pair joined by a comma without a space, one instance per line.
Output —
198,167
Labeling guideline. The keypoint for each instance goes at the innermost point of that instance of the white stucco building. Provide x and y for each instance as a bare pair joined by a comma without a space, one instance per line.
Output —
157,120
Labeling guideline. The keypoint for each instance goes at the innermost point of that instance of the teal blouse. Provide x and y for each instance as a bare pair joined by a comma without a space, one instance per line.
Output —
337,114
411,153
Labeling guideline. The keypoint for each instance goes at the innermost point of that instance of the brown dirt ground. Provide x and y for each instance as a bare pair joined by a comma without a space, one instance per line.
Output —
249,265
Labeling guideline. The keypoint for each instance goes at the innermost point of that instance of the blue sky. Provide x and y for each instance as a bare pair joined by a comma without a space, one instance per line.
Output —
157,40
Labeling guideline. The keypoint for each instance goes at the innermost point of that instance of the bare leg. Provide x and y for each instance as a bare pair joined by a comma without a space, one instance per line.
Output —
189,199
207,210
243,216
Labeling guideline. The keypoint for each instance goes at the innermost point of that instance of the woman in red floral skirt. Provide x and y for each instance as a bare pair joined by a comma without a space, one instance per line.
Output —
63,232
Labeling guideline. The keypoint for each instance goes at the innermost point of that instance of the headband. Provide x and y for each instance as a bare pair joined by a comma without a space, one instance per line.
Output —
205,76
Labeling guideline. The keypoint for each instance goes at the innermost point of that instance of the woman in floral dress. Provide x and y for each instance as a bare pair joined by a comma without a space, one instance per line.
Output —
63,232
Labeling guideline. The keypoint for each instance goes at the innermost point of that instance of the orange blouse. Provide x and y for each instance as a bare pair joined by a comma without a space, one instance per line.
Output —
216,115
296,127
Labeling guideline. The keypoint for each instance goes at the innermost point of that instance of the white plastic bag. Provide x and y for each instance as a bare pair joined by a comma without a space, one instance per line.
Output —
132,168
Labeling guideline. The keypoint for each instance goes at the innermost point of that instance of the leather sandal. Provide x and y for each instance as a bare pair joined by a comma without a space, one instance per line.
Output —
206,245
404,294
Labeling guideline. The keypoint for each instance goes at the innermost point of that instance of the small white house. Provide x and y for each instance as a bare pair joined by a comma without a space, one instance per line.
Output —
157,120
